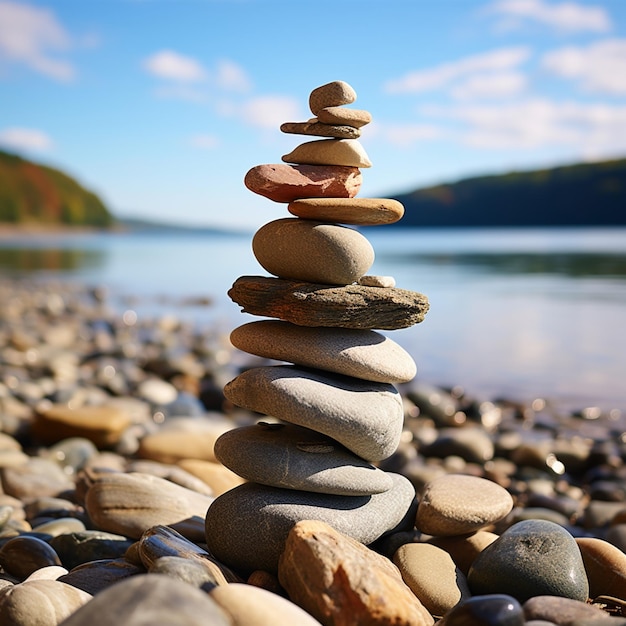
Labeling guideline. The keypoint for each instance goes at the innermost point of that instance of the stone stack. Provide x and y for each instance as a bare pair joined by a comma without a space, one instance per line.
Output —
335,412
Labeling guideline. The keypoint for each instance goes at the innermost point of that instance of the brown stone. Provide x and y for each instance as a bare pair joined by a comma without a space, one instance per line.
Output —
342,115
94,576
282,182
309,304
315,128
339,581
605,565
215,475
561,611
359,211
345,152
102,425
464,548
335,93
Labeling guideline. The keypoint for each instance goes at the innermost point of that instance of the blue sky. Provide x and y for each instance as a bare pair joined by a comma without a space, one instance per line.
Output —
162,106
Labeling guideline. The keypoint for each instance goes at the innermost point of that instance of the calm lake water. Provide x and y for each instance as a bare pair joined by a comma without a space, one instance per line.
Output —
514,313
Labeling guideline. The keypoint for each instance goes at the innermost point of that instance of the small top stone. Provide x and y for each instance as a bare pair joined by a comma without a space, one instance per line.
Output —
335,93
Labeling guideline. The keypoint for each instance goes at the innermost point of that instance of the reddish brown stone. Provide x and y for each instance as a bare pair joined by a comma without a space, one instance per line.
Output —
282,182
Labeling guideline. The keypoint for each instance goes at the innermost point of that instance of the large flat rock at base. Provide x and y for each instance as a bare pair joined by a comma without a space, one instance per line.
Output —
366,417
246,528
311,304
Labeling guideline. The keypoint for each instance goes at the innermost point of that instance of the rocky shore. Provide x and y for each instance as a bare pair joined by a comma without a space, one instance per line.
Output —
107,466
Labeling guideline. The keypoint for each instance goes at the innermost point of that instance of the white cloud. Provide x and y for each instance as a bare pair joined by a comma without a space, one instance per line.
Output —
587,128
205,142
171,65
269,111
495,85
29,35
600,67
27,139
404,135
563,16
443,75
232,77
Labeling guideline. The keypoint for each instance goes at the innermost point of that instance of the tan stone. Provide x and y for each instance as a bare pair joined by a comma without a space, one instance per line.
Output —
103,425
339,581
346,152
384,282
317,129
218,477
312,251
465,548
605,565
335,93
432,575
281,182
358,211
342,115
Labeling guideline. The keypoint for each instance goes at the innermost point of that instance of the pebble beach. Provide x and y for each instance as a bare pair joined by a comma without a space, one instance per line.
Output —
295,470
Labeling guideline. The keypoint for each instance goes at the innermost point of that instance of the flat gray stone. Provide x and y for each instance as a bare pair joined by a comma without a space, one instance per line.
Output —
292,457
531,558
246,527
365,417
315,252
315,128
363,354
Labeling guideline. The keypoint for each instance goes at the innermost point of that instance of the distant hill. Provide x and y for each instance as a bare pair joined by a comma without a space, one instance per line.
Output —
590,194
36,194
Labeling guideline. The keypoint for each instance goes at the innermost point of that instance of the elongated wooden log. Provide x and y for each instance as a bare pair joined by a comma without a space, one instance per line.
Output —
311,304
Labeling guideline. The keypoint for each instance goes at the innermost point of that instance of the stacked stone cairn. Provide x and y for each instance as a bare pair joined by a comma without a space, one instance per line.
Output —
333,410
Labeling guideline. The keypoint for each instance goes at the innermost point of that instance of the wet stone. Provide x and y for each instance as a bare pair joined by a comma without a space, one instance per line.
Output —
488,610
76,548
21,556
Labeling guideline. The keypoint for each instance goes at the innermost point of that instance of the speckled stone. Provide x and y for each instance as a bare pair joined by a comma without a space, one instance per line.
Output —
432,575
281,182
366,417
358,211
317,129
347,152
343,115
456,504
531,558
363,354
246,528
605,565
292,457
488,610
315,252
335,93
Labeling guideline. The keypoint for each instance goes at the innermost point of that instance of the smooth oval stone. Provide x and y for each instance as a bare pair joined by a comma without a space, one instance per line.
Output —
561,610
50,572
346,152
128,504
307,304
473,444
21,556
60,526
38,602
342,115
292,457
215,475
489,610
35,479
464,548
102,425
312,251
605,565
246,604
191,571
531,558
315,128
363,354
282,182
358,211
246,527
335,93
366,417
384,282
432,575
150,599
456,504
94,576
77,548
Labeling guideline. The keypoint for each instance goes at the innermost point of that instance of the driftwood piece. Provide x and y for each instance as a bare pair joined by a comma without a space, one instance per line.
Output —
311,304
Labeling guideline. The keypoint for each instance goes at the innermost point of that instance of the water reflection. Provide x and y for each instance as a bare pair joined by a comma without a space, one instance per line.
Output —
19,259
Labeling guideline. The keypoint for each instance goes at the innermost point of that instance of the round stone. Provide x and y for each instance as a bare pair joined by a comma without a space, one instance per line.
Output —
347,152
311,251
456,504
366,417
490,610
335,93
531,558
605,565
358,211
246,528
292,457
363,354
